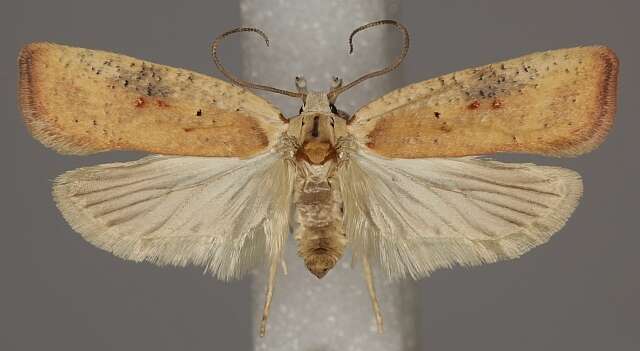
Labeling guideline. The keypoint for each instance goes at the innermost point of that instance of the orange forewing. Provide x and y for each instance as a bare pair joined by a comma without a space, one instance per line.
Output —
557,103
80,101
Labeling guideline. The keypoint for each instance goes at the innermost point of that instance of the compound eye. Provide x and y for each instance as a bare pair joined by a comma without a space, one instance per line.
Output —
336,82
301,109
334,110
301,83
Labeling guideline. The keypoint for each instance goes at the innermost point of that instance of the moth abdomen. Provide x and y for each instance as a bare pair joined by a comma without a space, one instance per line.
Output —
321,248
321,236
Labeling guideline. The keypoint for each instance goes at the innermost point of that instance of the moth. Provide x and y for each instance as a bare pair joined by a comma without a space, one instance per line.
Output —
402,182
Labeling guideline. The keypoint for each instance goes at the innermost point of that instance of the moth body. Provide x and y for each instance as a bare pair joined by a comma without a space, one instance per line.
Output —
320,235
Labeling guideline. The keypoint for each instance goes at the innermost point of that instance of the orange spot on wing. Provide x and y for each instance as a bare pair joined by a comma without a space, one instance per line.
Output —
497,103
474,105
162,103
139,102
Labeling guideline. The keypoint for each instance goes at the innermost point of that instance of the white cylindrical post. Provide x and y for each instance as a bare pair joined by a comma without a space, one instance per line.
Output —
310,38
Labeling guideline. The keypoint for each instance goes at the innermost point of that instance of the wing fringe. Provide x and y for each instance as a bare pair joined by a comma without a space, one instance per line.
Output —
417,255
223,256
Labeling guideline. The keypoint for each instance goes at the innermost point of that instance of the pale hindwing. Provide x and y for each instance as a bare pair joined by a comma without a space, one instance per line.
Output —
226,214
417,215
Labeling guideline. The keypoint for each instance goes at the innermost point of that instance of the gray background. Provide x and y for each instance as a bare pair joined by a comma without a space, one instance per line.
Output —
579,292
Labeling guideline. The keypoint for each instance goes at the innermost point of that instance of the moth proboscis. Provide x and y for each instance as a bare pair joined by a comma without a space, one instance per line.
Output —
398,182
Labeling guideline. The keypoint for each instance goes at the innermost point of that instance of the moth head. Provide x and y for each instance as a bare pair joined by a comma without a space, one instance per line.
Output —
313,101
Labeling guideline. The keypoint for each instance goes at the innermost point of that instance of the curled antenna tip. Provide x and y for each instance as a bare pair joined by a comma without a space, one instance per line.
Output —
233,78
405,48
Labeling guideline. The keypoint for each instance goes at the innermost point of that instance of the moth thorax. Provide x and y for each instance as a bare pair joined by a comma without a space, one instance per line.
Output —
317,137
318,153
321,248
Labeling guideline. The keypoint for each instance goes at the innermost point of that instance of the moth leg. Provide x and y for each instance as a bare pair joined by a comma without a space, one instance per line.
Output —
285,271
372,293
273,269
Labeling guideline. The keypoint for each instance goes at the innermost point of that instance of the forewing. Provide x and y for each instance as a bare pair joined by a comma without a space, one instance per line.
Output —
81,101
417,215
558,103
225,214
